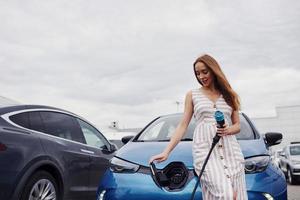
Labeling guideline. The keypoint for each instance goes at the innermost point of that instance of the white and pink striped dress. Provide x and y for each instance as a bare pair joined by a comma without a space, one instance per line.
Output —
224,172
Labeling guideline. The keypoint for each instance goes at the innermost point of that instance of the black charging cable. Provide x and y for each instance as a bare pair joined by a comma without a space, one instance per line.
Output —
162,180
215,141
219,116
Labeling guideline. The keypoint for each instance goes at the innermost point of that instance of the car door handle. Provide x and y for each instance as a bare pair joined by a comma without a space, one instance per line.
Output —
87,151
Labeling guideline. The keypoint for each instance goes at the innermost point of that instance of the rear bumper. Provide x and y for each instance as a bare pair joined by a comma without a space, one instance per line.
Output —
7,184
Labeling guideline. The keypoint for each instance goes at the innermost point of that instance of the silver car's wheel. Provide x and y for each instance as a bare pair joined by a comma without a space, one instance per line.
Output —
43,190
291,178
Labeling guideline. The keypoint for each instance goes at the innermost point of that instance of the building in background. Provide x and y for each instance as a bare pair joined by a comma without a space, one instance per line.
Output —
286,121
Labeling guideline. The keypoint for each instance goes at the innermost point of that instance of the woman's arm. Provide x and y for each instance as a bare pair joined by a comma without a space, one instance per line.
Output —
234,128
180,130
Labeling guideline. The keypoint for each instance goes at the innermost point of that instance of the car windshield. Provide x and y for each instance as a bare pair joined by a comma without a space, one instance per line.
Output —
163,128
295,150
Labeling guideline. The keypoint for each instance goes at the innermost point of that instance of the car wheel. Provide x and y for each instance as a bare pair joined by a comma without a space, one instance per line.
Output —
40,186
291,178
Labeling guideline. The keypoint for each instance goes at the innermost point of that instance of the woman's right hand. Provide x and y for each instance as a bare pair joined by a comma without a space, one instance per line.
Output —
159,157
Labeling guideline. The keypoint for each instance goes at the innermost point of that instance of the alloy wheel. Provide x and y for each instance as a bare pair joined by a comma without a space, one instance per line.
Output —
43,190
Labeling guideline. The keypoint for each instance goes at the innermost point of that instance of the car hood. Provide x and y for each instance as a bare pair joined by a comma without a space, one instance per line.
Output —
141,152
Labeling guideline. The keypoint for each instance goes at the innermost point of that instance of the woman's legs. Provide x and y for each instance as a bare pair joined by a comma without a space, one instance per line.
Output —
217,190
234,195
217,186
239,187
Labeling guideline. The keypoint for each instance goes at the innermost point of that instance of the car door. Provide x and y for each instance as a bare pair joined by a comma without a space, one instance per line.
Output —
67,146
100,153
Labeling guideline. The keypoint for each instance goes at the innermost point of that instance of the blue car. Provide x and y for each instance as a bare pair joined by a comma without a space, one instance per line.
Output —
131,177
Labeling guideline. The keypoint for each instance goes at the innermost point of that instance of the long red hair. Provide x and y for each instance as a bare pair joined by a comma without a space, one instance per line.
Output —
220,81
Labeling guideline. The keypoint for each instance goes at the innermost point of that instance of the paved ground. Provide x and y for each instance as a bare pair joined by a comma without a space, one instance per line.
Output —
294,192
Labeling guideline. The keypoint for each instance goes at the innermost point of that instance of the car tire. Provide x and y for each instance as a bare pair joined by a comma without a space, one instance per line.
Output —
41,184
291,178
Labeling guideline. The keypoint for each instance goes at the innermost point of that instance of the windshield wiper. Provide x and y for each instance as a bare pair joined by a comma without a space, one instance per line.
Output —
187,139
164,140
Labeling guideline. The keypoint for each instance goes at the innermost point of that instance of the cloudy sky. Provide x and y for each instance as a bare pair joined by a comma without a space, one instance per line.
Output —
130,61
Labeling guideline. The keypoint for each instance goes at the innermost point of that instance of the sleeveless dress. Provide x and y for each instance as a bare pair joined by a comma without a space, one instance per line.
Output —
224,172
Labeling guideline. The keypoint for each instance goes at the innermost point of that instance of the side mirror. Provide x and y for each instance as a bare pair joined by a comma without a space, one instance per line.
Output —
113,147
273,138
126,139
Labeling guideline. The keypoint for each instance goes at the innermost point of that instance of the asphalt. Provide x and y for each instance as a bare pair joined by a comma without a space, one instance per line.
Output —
294,192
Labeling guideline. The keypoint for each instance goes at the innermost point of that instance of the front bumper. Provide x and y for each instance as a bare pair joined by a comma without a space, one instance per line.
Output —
121,186
296,170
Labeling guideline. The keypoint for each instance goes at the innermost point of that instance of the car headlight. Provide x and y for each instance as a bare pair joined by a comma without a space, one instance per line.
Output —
256,164
268,196
121,166
101,195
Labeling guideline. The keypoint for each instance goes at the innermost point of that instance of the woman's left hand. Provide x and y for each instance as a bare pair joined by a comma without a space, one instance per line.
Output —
224,131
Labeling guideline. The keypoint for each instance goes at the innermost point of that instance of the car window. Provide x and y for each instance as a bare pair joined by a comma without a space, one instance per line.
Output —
294,150
246,132
91,135
61,125
36,122
30,120
21,119
164,127
153,132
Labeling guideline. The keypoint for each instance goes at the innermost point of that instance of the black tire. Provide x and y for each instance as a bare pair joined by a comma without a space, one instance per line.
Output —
41,180
291,178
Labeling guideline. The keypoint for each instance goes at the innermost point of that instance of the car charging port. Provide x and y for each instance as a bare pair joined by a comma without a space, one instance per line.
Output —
159,177
173,177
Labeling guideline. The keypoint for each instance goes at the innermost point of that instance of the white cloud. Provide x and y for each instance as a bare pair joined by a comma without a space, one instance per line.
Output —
131,60
262,89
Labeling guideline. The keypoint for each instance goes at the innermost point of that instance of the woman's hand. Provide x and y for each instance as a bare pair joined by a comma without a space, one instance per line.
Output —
226,130
159,157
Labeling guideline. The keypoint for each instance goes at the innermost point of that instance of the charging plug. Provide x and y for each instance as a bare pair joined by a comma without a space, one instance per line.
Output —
161,178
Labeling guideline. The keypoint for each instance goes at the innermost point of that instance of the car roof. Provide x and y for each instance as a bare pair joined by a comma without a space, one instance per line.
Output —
8,109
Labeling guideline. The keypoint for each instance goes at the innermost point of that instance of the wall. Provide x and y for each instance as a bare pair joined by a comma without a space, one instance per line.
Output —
286,121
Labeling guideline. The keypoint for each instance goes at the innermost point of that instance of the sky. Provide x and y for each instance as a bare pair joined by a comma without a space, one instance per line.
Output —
131,61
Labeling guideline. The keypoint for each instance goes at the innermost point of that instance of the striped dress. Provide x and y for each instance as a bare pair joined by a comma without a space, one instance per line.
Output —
224,172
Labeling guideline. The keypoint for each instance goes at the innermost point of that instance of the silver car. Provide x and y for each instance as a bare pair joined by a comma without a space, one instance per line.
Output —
290,162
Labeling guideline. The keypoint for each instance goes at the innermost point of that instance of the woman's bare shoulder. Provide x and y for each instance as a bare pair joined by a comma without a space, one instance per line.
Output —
189,94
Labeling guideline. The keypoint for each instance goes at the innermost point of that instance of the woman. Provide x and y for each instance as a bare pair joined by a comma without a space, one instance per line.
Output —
223,177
